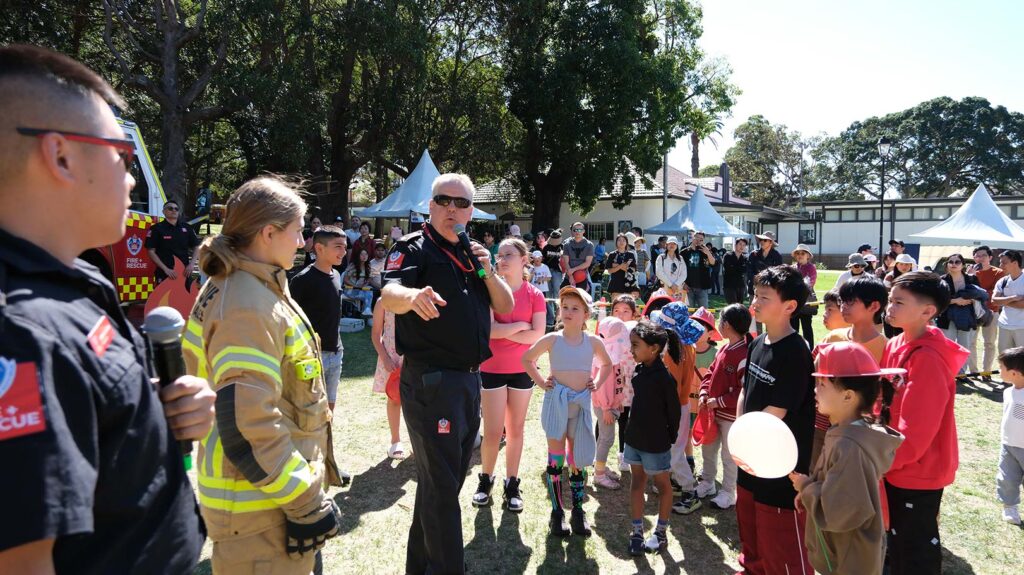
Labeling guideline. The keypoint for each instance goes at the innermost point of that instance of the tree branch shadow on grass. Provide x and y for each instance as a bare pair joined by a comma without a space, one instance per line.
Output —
497,552
376,489
991,391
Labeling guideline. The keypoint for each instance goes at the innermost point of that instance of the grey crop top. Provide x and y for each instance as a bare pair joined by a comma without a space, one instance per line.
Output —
566,357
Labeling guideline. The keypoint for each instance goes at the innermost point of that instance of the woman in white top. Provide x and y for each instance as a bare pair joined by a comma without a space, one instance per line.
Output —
671,270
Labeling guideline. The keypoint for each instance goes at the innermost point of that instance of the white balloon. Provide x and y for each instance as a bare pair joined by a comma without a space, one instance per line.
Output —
762,445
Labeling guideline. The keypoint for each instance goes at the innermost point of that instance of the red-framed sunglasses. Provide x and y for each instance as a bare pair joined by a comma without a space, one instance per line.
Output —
125,148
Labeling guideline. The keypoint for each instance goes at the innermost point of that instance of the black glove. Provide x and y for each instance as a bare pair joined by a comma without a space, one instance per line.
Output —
309,533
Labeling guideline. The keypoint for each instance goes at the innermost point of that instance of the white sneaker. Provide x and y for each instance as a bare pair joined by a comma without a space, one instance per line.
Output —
706,489
1011,515
623,466
612,475
606,482
723,500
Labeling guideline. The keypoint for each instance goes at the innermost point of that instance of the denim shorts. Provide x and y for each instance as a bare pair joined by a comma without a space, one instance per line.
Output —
653,463
332,372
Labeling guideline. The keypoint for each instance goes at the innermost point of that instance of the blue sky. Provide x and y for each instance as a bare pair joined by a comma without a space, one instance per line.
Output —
817,66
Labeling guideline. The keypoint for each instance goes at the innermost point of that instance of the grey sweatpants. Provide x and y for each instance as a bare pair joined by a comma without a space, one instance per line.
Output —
605,434
1010,474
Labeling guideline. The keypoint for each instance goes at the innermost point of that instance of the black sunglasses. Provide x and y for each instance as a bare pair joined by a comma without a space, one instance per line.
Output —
125,148
443,201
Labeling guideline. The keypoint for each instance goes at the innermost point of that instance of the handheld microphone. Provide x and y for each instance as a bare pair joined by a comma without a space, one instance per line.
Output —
163,327
460,230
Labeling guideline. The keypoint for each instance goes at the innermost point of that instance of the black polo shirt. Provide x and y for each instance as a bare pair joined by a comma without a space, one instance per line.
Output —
460,338
88,457
171,241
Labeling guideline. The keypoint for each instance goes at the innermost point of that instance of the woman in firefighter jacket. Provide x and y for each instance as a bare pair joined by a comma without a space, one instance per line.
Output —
265,466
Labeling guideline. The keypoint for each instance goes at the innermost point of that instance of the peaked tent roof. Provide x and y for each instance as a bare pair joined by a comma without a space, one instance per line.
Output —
413,195
697,214
978,221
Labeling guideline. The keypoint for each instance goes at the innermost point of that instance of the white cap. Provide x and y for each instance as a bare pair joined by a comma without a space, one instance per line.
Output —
536,254
672,240
906,259
514,230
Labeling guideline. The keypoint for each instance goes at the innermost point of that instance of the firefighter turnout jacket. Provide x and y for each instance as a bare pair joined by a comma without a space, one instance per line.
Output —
268,455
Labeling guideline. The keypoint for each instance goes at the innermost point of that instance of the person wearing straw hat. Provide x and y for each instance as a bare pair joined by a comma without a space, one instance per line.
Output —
855,266
802,318
764,257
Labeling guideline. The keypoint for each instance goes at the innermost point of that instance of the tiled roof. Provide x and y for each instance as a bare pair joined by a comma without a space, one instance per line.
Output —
680,185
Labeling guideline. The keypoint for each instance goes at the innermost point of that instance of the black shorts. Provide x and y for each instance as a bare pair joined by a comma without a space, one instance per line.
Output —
519,381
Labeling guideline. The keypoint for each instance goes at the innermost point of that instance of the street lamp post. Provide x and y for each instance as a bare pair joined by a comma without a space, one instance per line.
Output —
884,144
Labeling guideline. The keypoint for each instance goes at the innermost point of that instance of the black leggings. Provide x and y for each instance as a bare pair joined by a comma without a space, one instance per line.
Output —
804,321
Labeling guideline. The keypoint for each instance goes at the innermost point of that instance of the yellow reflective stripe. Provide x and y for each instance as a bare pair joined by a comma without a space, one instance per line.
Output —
238,495
296,338
192,343
231,506
245,358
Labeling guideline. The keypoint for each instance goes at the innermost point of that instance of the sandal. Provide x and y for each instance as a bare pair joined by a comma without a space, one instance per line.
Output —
396,451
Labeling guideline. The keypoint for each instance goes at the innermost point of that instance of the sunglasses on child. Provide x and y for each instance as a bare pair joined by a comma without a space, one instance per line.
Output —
443,201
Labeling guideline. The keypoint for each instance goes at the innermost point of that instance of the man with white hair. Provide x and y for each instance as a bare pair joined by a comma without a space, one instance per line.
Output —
442,329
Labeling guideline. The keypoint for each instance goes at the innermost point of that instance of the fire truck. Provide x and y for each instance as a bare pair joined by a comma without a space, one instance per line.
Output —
126,262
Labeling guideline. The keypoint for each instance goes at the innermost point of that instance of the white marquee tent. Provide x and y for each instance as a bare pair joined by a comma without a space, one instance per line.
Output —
979,221
697,214
412,196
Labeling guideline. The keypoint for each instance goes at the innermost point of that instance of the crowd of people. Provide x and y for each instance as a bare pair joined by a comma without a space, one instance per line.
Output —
459,329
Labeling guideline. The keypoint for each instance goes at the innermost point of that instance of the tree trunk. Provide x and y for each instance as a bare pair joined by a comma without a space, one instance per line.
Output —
173,150
547,203
695,157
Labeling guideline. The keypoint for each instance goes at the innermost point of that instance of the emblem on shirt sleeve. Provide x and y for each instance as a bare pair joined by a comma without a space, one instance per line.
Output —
21,409
395,261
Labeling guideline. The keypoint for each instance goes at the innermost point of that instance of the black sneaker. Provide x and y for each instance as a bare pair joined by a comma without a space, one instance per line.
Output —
658,541
579,522
687,504
559,528
636,544
513,498
482,497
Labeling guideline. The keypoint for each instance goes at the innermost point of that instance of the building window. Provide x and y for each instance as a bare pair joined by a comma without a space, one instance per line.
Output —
922,214
940,213
601,231
1008,210
753,228
904,214
832,215
849,215
771,227
808,234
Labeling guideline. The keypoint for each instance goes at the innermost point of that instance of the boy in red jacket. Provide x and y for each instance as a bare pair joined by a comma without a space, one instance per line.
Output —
922,410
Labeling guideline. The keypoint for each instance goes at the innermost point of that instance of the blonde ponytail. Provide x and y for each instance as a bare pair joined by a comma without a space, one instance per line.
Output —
262,201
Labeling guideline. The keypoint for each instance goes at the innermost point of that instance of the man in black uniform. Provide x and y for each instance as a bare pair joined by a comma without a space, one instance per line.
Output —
442,328
94,476
169,239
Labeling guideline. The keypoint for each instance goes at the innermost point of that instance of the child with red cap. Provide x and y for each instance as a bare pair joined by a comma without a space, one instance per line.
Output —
845,531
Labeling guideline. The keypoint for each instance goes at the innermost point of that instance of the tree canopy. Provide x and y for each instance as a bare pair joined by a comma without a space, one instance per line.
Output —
568,96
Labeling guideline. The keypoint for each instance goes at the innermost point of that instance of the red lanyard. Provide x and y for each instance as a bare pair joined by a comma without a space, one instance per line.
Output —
468,270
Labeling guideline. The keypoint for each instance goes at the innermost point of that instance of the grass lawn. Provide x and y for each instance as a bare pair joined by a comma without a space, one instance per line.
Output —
377,506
